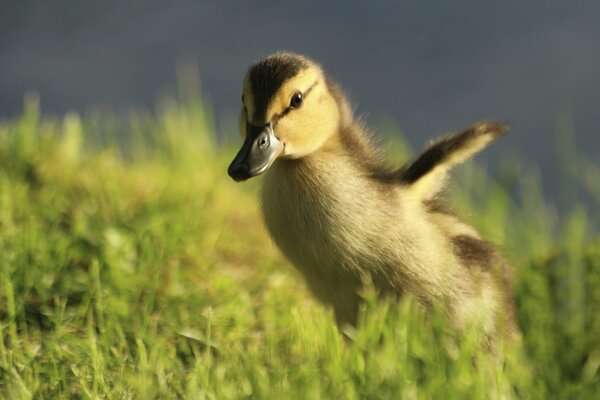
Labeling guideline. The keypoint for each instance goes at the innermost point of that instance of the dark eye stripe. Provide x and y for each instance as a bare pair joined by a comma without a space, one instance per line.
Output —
309,89
282,114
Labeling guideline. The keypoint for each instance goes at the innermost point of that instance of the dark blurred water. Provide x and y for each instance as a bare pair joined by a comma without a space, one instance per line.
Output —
430,66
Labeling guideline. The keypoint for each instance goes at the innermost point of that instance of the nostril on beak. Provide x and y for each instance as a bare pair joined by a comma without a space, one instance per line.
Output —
263,142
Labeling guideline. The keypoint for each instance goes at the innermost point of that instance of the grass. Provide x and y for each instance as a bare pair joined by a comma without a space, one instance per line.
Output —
140,270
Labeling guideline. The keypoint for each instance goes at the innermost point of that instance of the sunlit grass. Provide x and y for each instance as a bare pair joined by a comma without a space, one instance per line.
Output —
140,270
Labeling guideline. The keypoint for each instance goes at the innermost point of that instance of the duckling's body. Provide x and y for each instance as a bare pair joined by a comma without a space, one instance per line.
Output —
339,215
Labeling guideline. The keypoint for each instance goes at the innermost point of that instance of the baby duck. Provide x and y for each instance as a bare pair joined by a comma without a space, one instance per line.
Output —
340,215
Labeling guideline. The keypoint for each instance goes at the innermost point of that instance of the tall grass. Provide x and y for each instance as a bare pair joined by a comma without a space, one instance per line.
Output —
146,273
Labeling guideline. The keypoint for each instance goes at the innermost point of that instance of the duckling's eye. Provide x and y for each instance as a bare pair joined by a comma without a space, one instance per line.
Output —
296,100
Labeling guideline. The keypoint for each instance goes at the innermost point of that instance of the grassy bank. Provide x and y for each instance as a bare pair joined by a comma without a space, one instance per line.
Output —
140,270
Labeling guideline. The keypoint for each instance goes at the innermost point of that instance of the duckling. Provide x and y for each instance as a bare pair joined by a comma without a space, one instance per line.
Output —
339,214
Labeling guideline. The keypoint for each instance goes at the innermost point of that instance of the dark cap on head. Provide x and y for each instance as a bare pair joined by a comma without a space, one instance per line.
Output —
267,76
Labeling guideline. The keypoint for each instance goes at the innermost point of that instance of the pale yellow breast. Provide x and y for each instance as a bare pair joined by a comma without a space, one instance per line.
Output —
319,218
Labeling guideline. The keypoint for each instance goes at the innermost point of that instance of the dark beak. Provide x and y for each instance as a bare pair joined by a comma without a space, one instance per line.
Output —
259,151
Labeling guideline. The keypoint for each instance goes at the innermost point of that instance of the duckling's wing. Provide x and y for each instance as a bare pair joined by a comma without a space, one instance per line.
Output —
427,174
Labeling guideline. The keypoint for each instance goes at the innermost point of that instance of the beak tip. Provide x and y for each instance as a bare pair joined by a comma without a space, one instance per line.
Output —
238,173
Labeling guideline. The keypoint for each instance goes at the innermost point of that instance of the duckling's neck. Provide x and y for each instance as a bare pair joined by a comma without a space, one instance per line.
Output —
341,155
350,145
342,171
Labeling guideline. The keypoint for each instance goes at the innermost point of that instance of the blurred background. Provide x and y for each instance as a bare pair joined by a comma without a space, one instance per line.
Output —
423,67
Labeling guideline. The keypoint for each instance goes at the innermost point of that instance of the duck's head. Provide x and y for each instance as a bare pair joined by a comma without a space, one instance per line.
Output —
288,111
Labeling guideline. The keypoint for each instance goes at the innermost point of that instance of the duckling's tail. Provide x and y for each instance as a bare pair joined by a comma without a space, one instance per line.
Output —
427,175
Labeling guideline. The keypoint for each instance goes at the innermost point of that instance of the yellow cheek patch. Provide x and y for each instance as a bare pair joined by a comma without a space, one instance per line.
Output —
301,82
307,129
